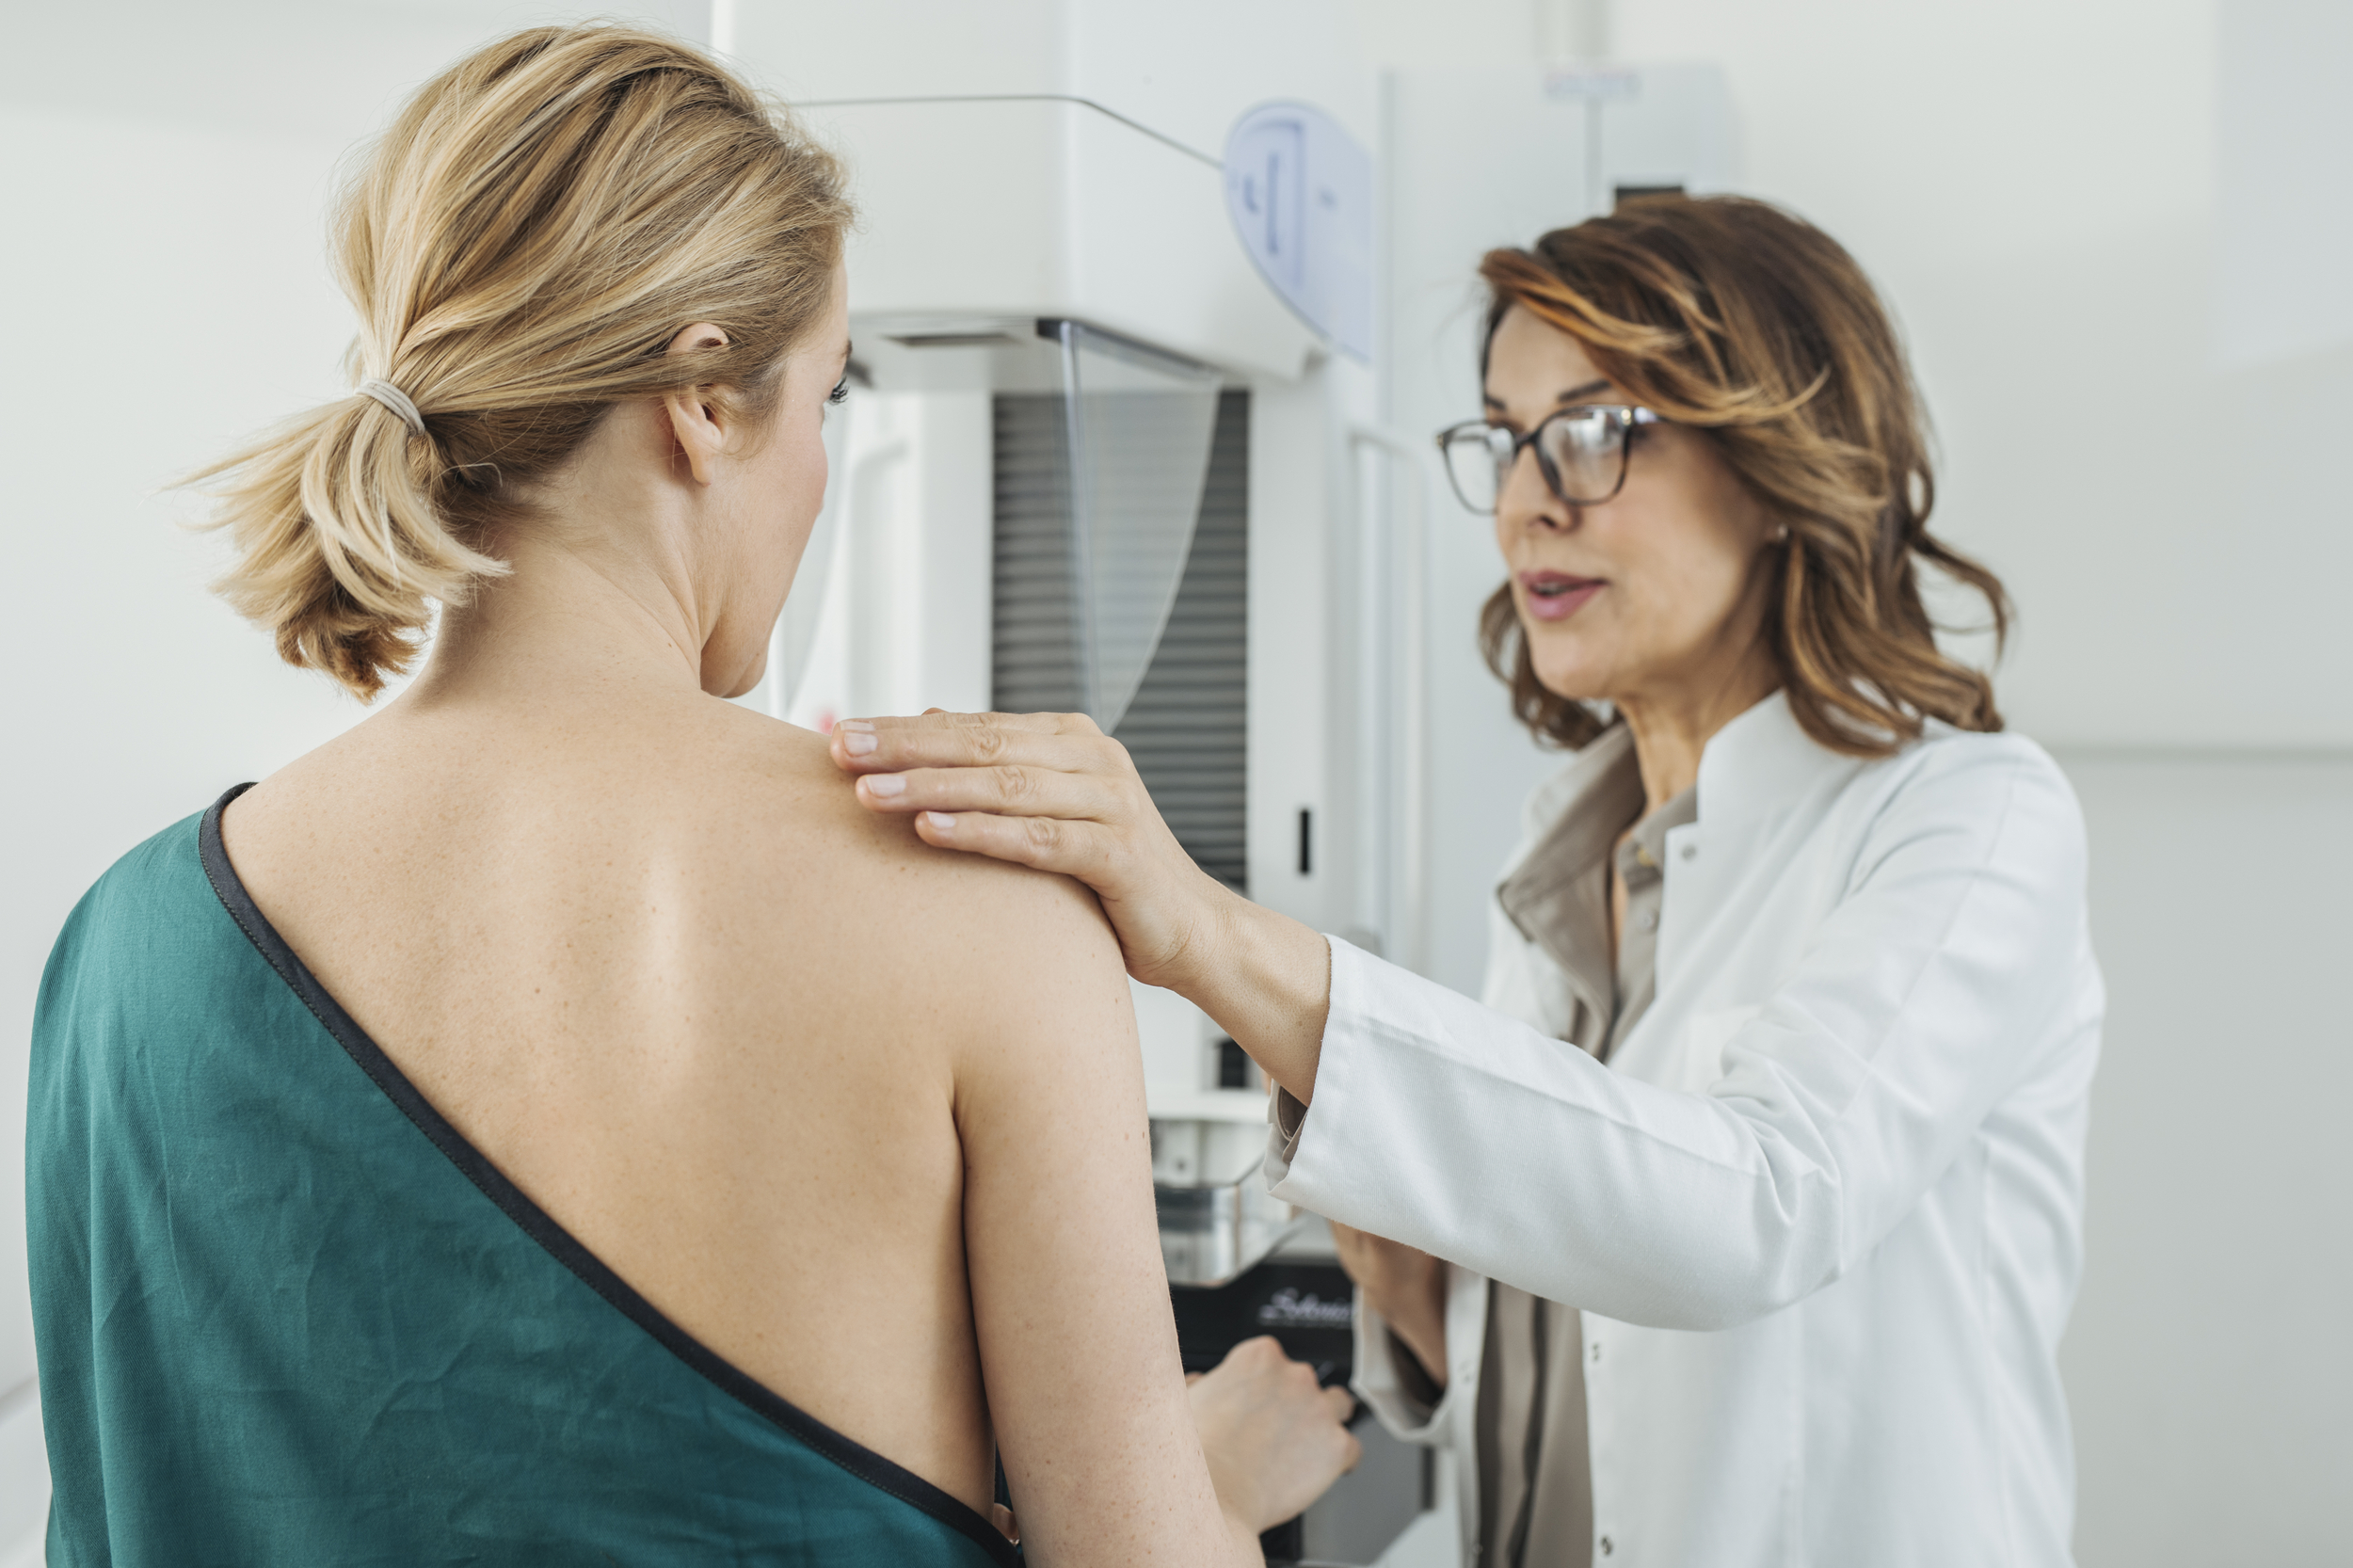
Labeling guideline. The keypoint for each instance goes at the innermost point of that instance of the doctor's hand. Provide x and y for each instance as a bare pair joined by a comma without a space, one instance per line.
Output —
1050,790
1406,1285
1053,792
1274,1441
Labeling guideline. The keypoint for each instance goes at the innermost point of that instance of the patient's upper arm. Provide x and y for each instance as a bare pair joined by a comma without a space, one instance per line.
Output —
1070,1300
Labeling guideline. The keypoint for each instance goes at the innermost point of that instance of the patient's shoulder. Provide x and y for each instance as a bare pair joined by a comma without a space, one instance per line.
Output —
770,793
924,921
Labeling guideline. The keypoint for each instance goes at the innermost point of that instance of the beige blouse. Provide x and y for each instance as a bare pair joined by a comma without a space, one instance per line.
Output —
1535,1501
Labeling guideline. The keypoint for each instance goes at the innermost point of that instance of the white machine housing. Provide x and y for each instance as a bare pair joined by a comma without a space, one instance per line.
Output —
1060,160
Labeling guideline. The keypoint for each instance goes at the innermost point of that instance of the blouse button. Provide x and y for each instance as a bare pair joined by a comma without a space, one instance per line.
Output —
1690,852
1605,1547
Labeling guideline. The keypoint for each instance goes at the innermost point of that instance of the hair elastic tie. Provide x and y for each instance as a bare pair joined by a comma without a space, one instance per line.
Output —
394,399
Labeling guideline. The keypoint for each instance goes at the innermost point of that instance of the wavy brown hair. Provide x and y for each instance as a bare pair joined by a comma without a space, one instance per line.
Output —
1757,330
521,246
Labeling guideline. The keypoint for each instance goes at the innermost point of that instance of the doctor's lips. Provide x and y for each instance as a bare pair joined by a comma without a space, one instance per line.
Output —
1556,595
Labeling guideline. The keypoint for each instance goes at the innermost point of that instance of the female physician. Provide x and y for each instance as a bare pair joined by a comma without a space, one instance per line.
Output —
1757,1179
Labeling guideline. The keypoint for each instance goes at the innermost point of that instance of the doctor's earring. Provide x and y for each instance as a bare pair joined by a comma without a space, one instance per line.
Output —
1780,535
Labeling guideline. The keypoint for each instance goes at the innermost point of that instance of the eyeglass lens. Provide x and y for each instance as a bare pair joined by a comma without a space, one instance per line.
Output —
1581,452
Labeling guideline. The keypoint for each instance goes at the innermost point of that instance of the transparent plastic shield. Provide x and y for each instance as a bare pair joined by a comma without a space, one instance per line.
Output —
1139,431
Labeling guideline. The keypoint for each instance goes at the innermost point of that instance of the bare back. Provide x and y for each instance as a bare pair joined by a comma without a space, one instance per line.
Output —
832,1100
863,1118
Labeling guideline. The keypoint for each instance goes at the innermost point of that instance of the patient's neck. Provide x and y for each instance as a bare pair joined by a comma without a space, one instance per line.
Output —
595,621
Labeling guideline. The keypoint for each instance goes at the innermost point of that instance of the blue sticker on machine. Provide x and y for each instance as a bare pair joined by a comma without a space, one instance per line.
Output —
1299,189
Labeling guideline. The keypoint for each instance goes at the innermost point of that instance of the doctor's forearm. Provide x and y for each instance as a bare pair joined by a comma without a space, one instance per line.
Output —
1267,979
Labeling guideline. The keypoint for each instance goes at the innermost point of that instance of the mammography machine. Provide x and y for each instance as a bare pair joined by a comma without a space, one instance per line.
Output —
1112,302
1131,294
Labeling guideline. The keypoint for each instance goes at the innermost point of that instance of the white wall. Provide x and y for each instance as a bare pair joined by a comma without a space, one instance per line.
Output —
2036,186
2114,232
2208,1364
166,185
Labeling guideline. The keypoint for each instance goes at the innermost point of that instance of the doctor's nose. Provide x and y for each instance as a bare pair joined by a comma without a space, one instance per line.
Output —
1525,503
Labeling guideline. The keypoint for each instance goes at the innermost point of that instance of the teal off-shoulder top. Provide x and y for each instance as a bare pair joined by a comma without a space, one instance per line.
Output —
286,1315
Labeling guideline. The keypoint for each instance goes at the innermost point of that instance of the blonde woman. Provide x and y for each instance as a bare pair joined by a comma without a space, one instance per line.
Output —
551,1123
1738,1227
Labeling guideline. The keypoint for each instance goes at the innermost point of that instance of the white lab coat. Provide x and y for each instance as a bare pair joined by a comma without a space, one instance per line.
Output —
1823,1208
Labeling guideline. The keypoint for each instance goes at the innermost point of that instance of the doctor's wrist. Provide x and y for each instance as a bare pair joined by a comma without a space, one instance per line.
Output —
1202,955
1266,979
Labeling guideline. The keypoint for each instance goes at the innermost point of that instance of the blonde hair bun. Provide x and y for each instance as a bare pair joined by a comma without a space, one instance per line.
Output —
521,246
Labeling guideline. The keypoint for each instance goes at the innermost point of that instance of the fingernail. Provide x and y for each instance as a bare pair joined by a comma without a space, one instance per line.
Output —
886,784
941,821
856,724
859,743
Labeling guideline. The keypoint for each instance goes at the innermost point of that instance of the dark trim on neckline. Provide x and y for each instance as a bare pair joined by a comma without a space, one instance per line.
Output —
559,1243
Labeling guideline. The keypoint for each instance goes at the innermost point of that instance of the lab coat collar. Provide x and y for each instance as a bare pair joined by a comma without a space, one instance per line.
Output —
1759,765
1546,894
1752,769
1600,756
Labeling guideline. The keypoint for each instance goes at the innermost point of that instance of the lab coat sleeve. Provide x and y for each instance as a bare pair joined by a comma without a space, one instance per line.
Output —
1464,1132
1383,1384
1382,1377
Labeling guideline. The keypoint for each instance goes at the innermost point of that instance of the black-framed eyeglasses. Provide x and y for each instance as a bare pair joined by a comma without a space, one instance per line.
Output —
1580,450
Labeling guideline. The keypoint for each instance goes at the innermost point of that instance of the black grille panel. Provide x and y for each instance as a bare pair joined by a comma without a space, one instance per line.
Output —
1187,726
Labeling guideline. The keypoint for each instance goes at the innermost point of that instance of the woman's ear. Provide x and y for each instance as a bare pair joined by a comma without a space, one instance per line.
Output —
695,419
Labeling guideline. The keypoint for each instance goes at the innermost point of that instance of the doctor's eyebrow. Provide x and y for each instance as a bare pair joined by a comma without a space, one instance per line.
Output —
1564,400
